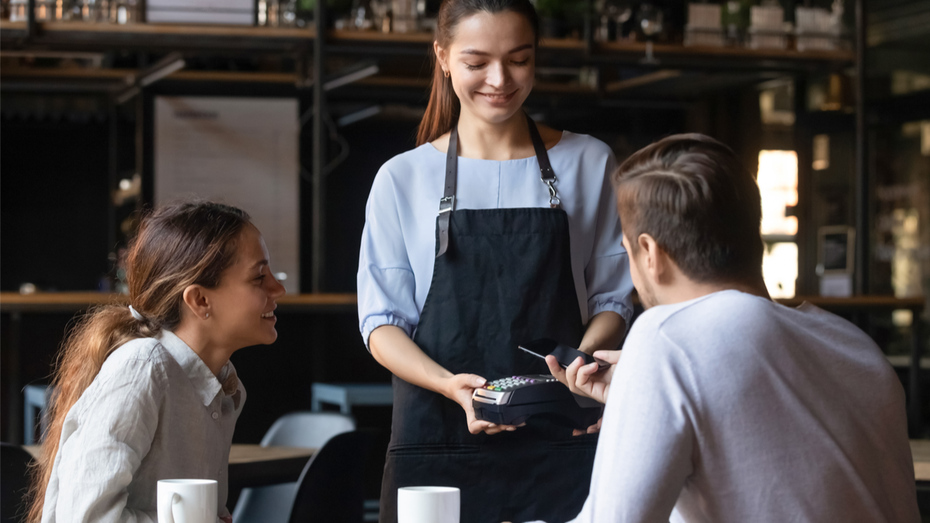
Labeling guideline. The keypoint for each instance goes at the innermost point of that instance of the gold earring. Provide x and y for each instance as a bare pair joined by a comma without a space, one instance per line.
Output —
447,74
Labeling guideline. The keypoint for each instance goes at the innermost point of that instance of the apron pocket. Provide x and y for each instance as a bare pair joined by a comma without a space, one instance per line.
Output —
432,450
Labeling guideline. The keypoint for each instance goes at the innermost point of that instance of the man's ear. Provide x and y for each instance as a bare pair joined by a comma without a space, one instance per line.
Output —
196,302
654,257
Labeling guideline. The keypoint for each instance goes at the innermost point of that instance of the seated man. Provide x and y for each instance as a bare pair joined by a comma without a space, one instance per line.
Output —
726,406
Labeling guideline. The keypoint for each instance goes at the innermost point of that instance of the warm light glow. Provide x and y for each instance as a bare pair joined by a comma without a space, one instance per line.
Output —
780,269
778,184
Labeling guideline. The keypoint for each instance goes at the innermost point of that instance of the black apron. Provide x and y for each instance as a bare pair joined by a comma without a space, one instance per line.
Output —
502,277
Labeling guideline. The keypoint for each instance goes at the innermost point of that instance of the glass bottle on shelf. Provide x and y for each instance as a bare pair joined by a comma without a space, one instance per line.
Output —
735,20
361,16
404,16
649,19
268,13
287,13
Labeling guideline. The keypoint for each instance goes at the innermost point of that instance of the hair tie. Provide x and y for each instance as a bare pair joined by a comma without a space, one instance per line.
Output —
135,314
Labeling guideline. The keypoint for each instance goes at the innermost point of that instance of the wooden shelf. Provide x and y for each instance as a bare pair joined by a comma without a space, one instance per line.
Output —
659,50
231,31
75,301
71,302
118,75
84,36
342,35
857,302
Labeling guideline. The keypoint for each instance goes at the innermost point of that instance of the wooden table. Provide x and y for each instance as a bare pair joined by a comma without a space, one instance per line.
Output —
254,465
920,452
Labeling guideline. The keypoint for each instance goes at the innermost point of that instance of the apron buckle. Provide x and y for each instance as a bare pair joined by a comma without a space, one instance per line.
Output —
446,204
554,201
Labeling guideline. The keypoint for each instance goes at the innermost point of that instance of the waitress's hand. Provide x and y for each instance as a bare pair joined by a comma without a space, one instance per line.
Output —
586,380
459,388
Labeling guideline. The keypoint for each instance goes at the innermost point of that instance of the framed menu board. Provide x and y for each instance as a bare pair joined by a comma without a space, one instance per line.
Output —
238,151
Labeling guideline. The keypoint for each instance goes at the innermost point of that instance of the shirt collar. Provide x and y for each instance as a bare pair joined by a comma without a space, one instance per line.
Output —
202,379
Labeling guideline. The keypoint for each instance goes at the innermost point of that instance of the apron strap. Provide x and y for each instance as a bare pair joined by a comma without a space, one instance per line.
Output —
447,203
545,168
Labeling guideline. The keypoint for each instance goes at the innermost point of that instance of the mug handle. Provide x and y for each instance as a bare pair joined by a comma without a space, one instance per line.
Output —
167,507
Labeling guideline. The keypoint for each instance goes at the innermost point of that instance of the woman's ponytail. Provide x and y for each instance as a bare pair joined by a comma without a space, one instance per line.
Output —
87,346
442,111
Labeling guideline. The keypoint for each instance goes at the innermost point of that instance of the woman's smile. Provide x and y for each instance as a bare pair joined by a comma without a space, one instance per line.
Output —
498,99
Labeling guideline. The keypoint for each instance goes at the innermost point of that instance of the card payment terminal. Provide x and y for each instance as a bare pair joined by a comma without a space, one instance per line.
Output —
510,401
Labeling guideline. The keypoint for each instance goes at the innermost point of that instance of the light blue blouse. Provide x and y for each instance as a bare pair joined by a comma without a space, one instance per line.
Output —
399,240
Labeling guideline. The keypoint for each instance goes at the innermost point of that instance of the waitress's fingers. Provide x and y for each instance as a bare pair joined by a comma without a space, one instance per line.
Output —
496,429
556,370
477,426
469,381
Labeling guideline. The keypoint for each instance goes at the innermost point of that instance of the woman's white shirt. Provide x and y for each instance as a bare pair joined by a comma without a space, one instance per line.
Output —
399,239
155,411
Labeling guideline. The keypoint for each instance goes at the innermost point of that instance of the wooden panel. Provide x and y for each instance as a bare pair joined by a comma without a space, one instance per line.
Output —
233,31
254,465
920,452
76,301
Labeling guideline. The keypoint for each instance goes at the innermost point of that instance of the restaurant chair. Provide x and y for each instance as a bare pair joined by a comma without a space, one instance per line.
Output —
331,488
14,482
272,504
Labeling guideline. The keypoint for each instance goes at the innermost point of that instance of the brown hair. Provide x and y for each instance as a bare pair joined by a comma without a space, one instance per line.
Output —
177,246
702,207
442,111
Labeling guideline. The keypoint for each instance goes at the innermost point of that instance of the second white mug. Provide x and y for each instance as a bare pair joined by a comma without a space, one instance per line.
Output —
187,501
428,505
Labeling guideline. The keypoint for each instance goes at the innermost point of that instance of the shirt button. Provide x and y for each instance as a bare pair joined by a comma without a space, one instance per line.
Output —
216,415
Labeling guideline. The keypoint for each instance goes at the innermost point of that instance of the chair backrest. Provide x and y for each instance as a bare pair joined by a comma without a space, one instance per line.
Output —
272,504
331,487
307,429
14,482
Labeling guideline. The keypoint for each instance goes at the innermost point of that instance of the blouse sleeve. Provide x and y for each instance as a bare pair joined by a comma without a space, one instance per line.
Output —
386,283
103,447
607,275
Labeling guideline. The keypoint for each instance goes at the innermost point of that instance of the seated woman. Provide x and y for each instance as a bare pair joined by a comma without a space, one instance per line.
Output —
147,392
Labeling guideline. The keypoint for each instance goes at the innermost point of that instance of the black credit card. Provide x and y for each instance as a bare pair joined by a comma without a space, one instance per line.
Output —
563,353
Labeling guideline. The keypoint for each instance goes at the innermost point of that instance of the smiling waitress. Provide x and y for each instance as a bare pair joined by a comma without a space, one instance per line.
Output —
493,232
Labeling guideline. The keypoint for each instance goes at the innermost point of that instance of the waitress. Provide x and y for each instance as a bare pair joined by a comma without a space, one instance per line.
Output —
493,232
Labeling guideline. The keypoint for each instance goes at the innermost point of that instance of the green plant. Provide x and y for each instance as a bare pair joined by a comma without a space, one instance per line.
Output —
336,5
550,8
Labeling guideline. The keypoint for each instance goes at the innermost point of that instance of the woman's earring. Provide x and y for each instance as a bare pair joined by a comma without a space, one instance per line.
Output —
446,73
206,316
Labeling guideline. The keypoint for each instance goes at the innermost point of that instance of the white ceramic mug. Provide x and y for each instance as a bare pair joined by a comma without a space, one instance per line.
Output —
187,501
428,505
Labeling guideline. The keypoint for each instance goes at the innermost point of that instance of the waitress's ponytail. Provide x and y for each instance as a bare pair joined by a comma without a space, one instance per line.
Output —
442,111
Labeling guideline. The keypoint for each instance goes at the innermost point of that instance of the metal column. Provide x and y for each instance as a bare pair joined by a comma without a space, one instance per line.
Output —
862,168
319,149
